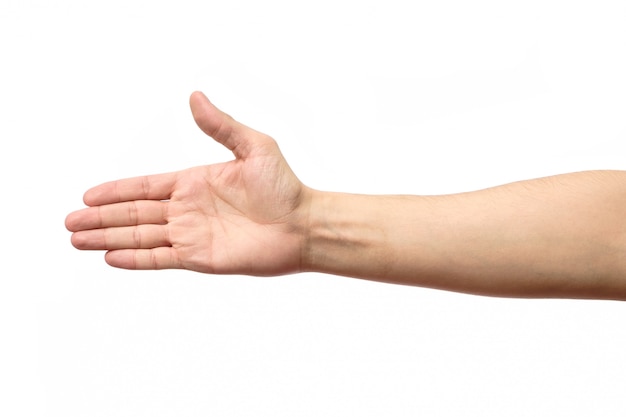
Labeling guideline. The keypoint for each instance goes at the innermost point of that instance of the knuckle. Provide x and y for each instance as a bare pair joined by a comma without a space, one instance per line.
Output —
133,213
136,237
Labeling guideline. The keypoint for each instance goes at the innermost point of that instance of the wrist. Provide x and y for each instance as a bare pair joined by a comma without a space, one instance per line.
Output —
344,235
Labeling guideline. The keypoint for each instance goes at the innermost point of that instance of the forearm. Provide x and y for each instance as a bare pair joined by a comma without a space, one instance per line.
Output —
562,236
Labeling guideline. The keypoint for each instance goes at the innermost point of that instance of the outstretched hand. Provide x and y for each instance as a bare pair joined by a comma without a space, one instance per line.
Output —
560,236
246,216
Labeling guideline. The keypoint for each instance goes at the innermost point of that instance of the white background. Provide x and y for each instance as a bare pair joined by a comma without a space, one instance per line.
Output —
375,97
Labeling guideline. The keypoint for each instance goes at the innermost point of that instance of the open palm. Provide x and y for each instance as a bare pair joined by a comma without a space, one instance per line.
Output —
245,216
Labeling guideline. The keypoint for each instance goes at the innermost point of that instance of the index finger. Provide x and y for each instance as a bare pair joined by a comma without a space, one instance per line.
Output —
149,187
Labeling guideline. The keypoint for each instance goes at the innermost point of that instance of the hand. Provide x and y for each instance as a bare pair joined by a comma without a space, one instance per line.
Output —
246,216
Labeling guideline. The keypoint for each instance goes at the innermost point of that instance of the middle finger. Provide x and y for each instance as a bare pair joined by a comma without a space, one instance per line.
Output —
130,213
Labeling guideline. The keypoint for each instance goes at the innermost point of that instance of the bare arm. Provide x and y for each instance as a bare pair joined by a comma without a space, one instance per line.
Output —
563,236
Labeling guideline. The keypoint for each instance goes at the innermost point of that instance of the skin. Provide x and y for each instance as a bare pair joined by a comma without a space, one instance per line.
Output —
561,236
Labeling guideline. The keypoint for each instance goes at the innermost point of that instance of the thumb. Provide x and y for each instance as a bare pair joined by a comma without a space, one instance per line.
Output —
220,126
